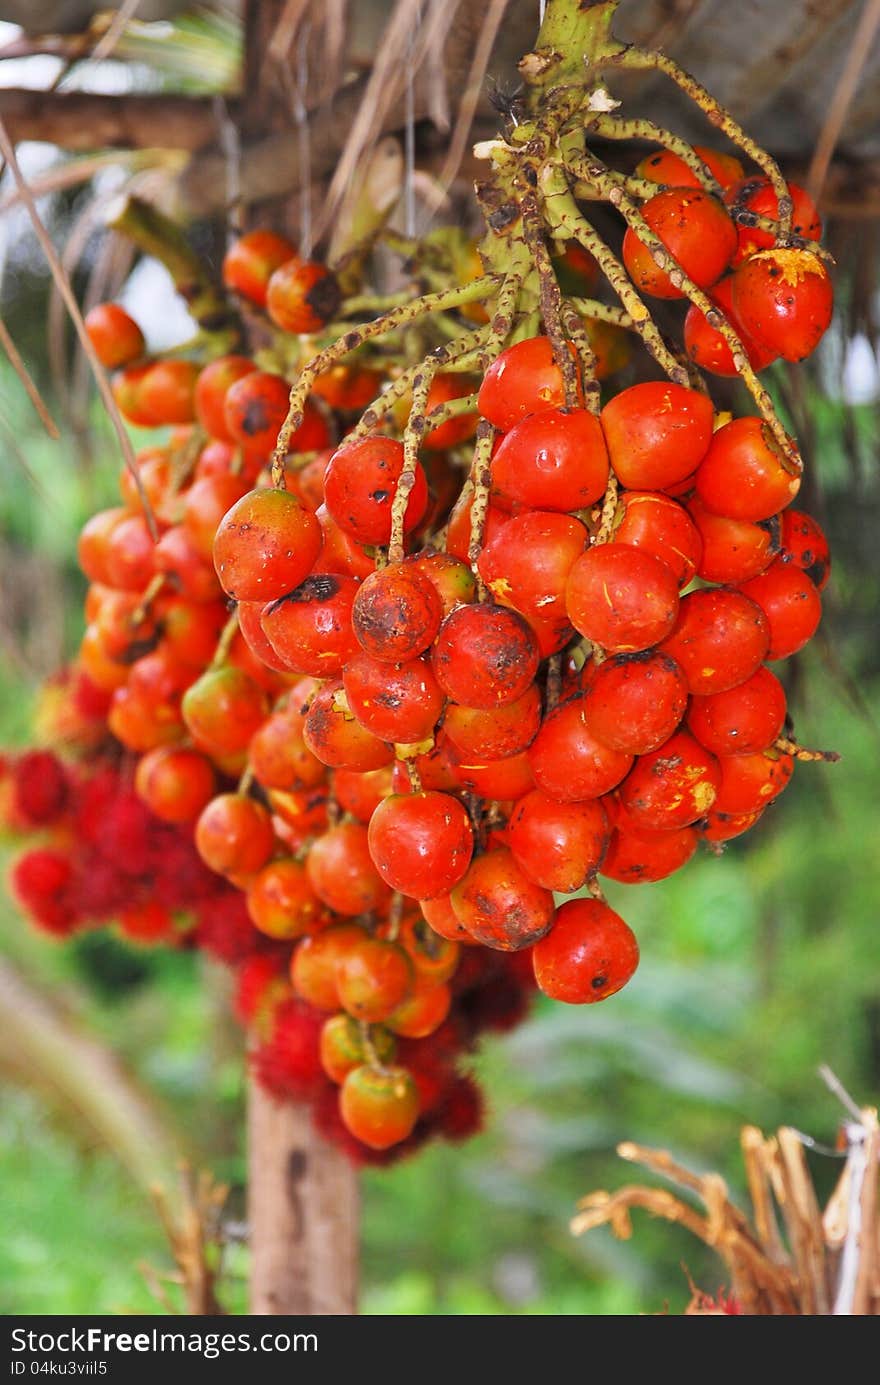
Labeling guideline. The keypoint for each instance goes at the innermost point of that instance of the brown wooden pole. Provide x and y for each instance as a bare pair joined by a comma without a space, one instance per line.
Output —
303,1213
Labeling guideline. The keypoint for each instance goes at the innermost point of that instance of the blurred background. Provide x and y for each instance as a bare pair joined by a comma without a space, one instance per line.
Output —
757,965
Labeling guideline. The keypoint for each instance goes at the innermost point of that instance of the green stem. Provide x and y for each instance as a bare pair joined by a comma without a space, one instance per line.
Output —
615,127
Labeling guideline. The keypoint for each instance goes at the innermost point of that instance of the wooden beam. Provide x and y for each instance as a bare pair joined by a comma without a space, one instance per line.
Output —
84,121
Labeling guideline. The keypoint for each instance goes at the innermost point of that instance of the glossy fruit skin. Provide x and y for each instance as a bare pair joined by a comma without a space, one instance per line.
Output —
280,901
458,533
212,386
310,628
348,388
568,761
315,959
804,545
342,873
450,577
435,959
696,230
723,827
750,782
205,503
187,573
588,955
733,549
114,334
499,905
756,195
621,597
791,604
423,1012
665,167
784,300
657,433
224,708
379,1106
672,786
167,392
642,857
360,793
342,1046
265,545
553,460
504,780
523,380
421,843
250,262
130,554
360,484
302,296
234,835
743,720
175,783
126,386
497,733
635,701
558,845
251,631
396,614
526,564
337,739
373,978
706,346
279,757
255,408
396,702
442,919
484,656
719,640
658,524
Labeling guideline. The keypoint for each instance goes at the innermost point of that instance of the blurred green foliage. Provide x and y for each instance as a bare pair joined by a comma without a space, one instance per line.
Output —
757,966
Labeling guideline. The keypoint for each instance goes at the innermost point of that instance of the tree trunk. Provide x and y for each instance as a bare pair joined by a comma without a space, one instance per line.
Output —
303,1211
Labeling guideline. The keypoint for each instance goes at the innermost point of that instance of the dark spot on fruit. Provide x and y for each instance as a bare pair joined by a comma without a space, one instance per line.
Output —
599,982
321,586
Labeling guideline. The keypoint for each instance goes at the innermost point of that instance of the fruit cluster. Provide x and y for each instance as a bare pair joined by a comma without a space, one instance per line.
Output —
439,713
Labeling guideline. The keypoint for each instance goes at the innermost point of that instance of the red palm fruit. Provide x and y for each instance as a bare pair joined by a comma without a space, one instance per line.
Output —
672,786
554,460
130,554
750,782
743,720
696,230
657,433
93,541
458,532
307,482
342,873
442,919
707,347
254,410
804,545
175,783
342,1046
217,459
744,474
302,296
310,628
723,827
421,843
339,551
126,387
234,835
372,978
635,701
141,723
154,470
279,756
337,739
568,761
665,167
212,386
396,702
349,388
186,572
639,857
315,959
499,905
115,335
527,564
147,922
720,638
224,708
396,613
785,300
755,195
280,901
791,604
451,578
360,484
588,955
360,792
250,627
485,656
298,814
496,733
558,845
622,598
523,380
205,504
124,628
503,780
265,545
446,386
250,262
105,673
435,958
423,1012
733,549
379,1106
167,392
659,525
434,768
